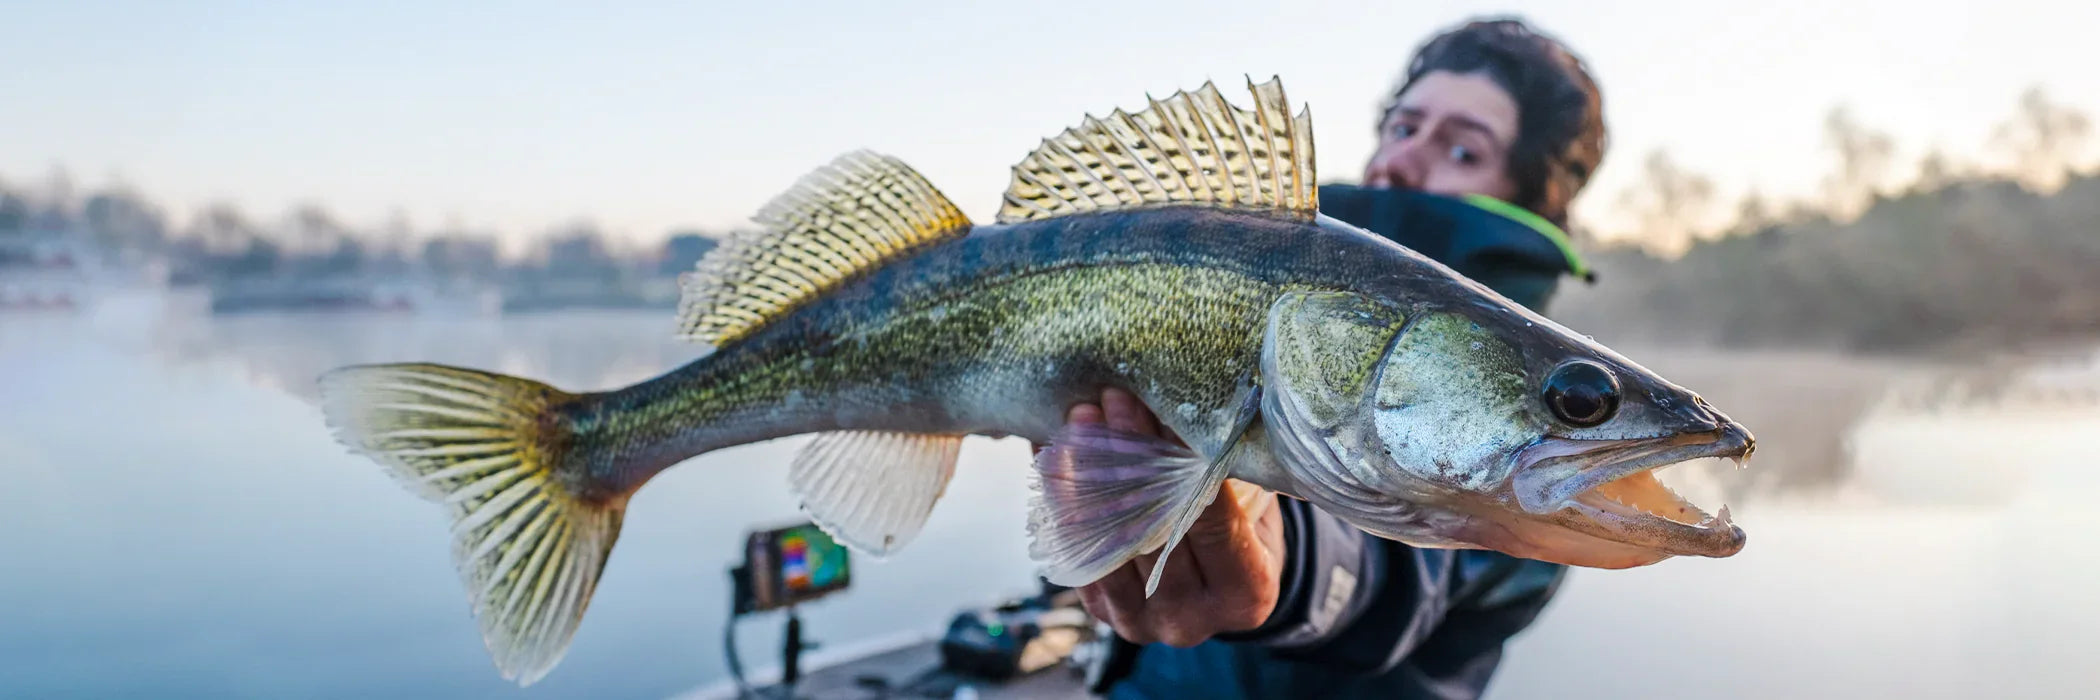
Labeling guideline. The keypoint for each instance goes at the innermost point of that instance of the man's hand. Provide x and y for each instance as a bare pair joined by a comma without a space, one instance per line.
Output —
1225,574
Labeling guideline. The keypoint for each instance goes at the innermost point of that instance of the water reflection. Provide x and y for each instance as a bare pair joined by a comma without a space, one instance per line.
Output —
578,351
178,522
186,526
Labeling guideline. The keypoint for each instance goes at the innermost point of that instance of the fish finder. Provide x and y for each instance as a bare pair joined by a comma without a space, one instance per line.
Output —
789,566
783,567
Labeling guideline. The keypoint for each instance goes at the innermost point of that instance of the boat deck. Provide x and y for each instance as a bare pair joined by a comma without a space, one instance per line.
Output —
908,671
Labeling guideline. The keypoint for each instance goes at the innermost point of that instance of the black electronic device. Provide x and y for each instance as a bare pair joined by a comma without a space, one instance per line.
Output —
788,566
783,567
1016,638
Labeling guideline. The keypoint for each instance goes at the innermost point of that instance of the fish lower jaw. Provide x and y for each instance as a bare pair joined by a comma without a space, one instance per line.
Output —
1610,491
1643,495
1645,511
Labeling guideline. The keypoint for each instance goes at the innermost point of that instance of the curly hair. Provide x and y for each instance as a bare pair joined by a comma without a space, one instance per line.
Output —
1561,135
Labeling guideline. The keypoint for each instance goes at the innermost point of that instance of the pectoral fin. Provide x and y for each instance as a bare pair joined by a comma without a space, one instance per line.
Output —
1104,496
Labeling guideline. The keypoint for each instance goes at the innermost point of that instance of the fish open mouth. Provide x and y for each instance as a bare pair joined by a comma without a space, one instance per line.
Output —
1611,486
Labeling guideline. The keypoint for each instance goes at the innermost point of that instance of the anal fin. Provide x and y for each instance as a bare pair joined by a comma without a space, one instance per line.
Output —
874,490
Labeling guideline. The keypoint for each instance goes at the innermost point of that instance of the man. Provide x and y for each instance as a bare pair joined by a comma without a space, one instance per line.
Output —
1493,129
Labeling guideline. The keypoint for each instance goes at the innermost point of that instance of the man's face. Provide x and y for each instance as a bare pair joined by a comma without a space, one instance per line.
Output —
1450,135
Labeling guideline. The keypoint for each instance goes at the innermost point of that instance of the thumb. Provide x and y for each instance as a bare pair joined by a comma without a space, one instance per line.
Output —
1237,503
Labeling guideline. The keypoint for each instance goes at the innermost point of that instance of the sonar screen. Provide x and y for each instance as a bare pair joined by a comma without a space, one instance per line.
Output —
788,566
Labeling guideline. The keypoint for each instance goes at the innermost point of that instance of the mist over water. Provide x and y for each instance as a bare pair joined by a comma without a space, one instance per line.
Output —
176,521
180,523
1947,552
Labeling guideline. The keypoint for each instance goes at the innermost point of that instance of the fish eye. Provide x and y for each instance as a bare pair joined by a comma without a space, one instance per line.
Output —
1582,394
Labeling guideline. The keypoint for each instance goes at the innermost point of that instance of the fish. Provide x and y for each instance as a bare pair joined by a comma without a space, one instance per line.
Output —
1176,252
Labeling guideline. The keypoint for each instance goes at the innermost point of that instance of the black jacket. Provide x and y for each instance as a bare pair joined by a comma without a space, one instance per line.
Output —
1361,616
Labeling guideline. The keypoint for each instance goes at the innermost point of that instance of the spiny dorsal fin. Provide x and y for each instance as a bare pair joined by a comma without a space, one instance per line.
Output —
856,214
1192,148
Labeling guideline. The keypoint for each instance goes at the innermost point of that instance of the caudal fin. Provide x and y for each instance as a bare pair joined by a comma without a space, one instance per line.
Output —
529,552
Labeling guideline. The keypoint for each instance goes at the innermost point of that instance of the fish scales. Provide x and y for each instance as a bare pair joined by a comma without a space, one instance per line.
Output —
995,332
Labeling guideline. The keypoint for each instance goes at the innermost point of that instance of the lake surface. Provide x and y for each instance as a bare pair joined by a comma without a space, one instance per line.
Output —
176,521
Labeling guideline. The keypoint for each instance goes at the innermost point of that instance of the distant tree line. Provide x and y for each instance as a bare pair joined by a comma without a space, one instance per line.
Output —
220,243
1963,257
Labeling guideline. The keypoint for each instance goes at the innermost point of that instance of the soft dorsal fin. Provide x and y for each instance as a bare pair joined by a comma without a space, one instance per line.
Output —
856,214
1192,148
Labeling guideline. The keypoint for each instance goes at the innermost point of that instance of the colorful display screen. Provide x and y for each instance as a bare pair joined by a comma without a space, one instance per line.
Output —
790,565
810,561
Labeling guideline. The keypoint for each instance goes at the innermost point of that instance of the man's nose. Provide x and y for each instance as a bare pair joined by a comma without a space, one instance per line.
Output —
1400,166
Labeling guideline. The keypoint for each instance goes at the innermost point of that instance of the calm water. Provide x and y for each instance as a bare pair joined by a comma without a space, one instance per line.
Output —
176,522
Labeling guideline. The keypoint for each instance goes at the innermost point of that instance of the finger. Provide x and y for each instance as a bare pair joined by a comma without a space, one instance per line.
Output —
1130,581
1260,508
1254,500
1269,529
1182,609
1094,603
1179,610
1238,568
1083,413
1077,414
1123,411
1095,599
1102,605
1131,577
1123,595
1177,584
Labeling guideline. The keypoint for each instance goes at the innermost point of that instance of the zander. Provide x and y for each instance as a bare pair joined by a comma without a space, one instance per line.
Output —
1178,253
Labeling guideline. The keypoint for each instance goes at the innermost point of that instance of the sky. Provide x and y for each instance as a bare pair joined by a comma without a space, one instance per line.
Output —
519,117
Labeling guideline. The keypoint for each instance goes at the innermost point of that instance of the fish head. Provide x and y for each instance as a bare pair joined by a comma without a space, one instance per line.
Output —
1492,427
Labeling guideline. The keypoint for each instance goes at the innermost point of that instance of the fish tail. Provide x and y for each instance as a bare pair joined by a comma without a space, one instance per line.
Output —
529,549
